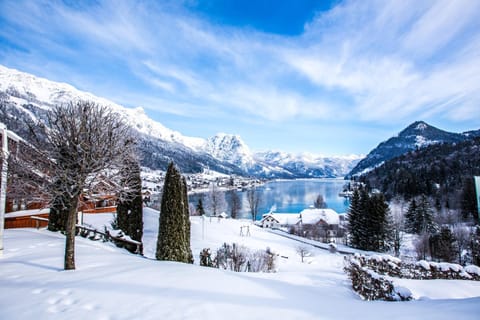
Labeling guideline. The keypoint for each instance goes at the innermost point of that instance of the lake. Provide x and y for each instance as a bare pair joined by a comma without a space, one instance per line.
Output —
290,196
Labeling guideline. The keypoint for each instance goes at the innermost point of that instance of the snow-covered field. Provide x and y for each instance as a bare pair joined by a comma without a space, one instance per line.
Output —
110,283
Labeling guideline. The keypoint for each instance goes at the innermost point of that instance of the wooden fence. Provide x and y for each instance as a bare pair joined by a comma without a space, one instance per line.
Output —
94,234
27,221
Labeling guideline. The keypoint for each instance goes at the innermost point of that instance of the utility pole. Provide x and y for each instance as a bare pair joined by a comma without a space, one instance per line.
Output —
4,174
3,191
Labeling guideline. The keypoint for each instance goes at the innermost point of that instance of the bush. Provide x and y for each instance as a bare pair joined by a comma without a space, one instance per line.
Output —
372,286
239,259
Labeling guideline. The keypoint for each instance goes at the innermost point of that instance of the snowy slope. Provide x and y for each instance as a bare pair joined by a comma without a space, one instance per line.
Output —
110,283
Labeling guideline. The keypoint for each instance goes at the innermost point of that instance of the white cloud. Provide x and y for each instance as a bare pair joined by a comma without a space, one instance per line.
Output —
363,60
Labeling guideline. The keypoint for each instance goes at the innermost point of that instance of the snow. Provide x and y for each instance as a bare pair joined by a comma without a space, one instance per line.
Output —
25,213
110,283
312,216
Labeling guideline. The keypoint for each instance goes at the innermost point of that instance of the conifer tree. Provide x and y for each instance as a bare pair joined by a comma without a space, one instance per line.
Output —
419,217
173,242
369,223
130,206
354,220
200,209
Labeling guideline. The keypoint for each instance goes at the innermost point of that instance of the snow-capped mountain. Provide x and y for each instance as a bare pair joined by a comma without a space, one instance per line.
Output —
306,165
230,148
26,98
417,135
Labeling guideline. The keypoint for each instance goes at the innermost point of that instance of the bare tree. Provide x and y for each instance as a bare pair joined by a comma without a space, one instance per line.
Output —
303,251
84,142
215,201
253,198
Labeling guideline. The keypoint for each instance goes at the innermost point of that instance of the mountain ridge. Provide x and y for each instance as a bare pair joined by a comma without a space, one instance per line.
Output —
25,97
417,135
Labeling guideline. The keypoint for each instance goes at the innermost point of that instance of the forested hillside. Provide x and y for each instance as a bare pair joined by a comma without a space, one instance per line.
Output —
442,171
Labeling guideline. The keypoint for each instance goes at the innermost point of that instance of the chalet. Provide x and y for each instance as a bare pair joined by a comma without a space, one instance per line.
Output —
278,220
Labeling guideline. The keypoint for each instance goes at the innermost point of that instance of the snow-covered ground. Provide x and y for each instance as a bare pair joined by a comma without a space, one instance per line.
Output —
110,283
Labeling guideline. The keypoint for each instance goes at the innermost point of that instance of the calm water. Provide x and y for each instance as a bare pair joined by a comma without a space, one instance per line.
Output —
291,196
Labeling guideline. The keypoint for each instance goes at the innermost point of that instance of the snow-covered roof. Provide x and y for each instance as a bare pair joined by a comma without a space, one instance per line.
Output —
284,218
313,216
26,213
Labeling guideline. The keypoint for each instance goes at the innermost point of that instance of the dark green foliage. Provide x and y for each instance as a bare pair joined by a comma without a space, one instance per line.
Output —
438,171
58,215
173,242
469,200
475,246
235,204
419,217
320,202
442,245
369,222
130,205
200,209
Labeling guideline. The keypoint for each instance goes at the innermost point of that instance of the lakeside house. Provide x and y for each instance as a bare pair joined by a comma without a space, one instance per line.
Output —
311,223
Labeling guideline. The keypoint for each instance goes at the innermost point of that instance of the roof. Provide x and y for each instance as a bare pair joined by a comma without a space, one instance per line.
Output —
284,218
313,216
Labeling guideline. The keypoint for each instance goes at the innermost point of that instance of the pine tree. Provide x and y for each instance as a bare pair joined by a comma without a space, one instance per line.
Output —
424,217
135,217
130,205
173,241
353,218
369,223
235,204
419,217
442,245
410,217
200,209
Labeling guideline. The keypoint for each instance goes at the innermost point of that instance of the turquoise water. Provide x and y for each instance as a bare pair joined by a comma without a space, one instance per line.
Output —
291,196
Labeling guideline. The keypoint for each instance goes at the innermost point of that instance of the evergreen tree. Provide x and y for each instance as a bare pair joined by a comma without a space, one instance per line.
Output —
369,223
469,200
380,231
424,217
419,217
174,225
475,246
442,245
410,217
200,209
235,204
130,205
353,218
320,202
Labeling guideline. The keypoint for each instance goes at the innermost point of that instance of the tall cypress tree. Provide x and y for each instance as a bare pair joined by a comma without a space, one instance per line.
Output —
173,241
135,217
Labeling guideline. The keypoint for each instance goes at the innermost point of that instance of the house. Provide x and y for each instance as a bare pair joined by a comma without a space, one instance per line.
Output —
319,223
278,220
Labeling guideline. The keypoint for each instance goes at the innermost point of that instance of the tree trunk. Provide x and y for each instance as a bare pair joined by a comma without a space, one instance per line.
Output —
70,231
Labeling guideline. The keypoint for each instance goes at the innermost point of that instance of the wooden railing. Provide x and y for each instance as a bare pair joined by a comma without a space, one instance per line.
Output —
94,234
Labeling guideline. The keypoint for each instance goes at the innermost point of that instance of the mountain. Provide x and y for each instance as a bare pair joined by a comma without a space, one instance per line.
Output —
25,98
443,172
416,136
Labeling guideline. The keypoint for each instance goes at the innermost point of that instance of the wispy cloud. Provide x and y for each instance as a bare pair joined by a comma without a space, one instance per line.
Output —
372,61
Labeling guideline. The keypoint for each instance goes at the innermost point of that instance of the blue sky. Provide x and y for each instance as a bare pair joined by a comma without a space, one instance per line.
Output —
324,77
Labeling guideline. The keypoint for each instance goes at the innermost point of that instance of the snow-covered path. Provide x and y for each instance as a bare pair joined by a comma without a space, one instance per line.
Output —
110,283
